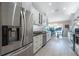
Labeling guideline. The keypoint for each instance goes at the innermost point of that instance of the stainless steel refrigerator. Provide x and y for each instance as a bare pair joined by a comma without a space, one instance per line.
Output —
27,32
16,23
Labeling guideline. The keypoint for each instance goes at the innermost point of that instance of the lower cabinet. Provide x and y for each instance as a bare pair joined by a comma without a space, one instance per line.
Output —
37,42
48,35
77,49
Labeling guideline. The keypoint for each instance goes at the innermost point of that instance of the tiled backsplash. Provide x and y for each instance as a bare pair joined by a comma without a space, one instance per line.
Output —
37,28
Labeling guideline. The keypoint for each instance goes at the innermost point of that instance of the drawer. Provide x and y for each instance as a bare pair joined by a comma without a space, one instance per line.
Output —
40,38
35,41
35,44
40,45
34,49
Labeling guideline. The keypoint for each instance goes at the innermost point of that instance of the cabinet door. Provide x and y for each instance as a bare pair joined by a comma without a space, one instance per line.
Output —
40,38
35,44
48,36
44,20
35,16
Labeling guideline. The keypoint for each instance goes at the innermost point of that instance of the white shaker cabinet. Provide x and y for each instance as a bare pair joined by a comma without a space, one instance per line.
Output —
48,35
35,16
37,42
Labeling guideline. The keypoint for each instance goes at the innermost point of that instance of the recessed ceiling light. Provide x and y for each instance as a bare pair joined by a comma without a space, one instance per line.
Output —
64,8
50,4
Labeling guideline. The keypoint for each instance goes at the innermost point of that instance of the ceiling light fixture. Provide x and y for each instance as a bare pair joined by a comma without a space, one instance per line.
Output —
50,3
64,8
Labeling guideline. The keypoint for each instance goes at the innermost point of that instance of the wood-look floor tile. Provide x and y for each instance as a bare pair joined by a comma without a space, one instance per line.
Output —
57,47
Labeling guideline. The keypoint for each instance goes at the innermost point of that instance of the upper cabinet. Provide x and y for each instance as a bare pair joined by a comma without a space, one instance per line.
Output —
39,18
44,20
35,16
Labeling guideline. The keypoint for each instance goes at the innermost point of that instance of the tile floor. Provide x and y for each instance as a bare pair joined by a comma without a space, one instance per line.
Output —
57,47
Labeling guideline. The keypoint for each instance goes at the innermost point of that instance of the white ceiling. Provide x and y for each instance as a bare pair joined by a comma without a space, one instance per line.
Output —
57,11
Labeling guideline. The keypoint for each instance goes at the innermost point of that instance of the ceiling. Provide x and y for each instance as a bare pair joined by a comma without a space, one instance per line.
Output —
57,11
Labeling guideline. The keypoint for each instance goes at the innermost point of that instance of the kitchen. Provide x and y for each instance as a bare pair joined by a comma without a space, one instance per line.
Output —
25,27
22,29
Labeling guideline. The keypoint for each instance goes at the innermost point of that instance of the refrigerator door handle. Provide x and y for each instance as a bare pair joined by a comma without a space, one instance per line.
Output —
22,27
25,30
13,13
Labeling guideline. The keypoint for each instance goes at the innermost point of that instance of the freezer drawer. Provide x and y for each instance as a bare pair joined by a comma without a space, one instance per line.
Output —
24,51
28,51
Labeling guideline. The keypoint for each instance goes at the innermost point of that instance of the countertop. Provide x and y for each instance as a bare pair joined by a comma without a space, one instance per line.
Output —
35,33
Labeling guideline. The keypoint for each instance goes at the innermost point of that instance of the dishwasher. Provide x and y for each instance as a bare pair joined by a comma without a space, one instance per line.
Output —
44,39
